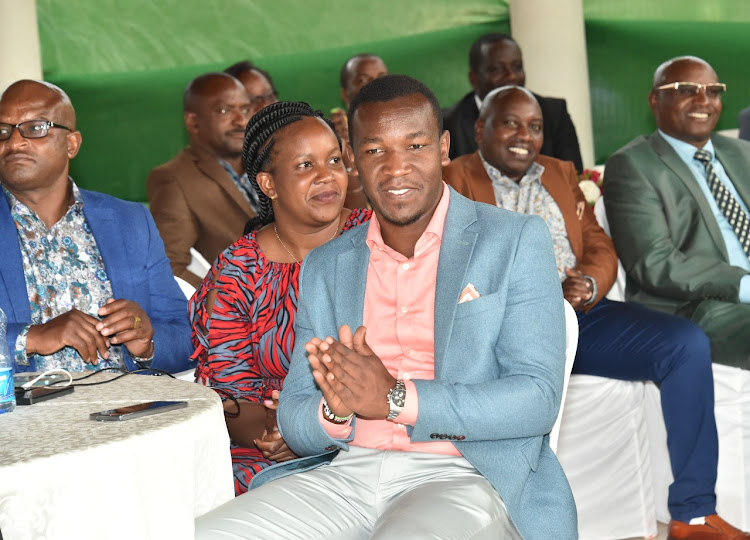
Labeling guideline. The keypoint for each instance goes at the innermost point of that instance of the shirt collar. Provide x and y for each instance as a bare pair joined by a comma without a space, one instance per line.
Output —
687,151
231,171
477,101
433,232
21,209
533,174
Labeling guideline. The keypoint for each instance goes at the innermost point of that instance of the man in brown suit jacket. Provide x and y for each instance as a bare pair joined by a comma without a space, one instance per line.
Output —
202,198
616,340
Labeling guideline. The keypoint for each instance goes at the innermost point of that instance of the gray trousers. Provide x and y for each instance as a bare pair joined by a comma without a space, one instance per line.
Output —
366,493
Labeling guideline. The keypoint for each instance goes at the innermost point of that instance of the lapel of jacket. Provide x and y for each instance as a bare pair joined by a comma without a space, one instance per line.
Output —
351,278
735,164
479,180
456,249
209,165
670,158
109,241
11,271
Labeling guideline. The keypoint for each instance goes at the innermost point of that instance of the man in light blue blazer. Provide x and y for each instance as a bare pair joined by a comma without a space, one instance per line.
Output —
456,447
99,273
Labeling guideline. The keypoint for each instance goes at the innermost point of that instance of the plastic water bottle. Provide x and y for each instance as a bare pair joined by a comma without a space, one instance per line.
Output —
7,391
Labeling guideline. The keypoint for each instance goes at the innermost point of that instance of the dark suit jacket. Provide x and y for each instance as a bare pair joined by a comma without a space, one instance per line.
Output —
196,204
592,247
136,266
666,235
743,120
560,139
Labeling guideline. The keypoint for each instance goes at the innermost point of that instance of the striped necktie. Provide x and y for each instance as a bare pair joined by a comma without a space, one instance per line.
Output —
728,205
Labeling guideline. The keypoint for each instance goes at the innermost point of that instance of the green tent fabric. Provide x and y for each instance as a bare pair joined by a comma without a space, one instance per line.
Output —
125,64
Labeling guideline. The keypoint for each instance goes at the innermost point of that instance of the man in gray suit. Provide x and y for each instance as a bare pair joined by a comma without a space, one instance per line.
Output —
743,120
677,202
202,198
431,419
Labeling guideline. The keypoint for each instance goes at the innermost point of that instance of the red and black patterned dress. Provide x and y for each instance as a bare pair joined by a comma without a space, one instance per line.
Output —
245,345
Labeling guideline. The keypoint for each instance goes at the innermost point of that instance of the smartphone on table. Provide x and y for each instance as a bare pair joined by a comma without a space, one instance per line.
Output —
138,410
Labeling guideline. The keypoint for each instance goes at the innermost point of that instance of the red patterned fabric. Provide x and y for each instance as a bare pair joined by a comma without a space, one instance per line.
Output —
245,345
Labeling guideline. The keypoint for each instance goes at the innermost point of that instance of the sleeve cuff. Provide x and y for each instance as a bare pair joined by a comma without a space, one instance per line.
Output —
20,352
745,289
335,431
411,405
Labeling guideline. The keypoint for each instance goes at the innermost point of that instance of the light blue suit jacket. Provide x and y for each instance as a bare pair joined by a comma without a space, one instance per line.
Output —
499,359
136,265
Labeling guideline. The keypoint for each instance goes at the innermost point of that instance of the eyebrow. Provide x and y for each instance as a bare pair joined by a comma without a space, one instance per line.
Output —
372,140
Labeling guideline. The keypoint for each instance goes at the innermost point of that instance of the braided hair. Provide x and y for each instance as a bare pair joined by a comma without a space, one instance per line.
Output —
259,142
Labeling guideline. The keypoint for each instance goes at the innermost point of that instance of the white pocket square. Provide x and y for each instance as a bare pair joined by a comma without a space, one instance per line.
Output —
468,294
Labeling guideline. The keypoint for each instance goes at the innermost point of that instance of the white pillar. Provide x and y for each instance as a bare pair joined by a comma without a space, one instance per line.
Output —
20,55
552,38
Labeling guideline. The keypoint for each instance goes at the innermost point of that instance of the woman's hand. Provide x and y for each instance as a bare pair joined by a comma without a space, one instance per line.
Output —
271,444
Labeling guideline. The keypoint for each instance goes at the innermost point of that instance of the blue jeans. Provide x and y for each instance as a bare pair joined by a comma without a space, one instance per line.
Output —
630,342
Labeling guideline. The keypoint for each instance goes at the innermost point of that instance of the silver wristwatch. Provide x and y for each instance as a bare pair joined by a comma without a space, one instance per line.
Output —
396,398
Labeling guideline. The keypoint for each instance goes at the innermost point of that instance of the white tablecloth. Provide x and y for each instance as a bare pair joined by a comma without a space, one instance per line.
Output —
63,476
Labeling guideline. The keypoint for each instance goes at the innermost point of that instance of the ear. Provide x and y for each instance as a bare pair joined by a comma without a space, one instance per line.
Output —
191,121
352,163
345,97
74,140
350,156
266,184
445,144
653,101
473,79
479,131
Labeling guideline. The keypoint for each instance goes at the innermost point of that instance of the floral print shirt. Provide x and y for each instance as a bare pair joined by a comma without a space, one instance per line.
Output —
63,269
529,196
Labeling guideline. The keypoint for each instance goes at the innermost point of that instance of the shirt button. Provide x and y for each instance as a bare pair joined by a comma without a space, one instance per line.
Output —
405,266
400,426
404,309
405,376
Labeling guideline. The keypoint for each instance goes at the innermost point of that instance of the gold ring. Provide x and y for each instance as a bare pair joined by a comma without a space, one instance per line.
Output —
136,322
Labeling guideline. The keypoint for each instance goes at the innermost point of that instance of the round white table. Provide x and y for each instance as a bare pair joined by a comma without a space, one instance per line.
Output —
65,476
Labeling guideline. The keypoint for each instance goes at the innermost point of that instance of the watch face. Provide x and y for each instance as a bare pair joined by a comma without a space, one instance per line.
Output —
398,396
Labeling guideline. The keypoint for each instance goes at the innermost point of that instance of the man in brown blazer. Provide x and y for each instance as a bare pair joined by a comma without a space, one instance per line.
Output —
616,340
202,198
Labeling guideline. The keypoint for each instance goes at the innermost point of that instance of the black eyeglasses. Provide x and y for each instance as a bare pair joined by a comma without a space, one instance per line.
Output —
33,129
691,89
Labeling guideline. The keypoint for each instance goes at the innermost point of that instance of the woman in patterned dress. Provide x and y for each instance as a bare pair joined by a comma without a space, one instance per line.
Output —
244,311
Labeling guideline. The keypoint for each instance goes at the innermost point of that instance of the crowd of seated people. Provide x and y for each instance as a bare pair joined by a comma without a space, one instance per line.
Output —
404,378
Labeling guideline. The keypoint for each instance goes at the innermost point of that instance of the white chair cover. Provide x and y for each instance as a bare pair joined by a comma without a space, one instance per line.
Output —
604,450
198,264
732,410
571,344
188,290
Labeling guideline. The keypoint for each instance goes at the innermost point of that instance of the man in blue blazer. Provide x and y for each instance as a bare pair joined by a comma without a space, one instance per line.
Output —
84,279
433,420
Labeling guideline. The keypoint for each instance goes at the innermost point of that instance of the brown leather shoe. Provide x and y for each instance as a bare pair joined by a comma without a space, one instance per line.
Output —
714,529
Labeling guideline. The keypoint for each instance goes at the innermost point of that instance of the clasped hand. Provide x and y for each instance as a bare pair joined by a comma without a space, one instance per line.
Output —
577,288
351,376
271,444
92,337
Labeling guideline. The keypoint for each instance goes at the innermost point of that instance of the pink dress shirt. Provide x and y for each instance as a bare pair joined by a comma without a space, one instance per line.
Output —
399,315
